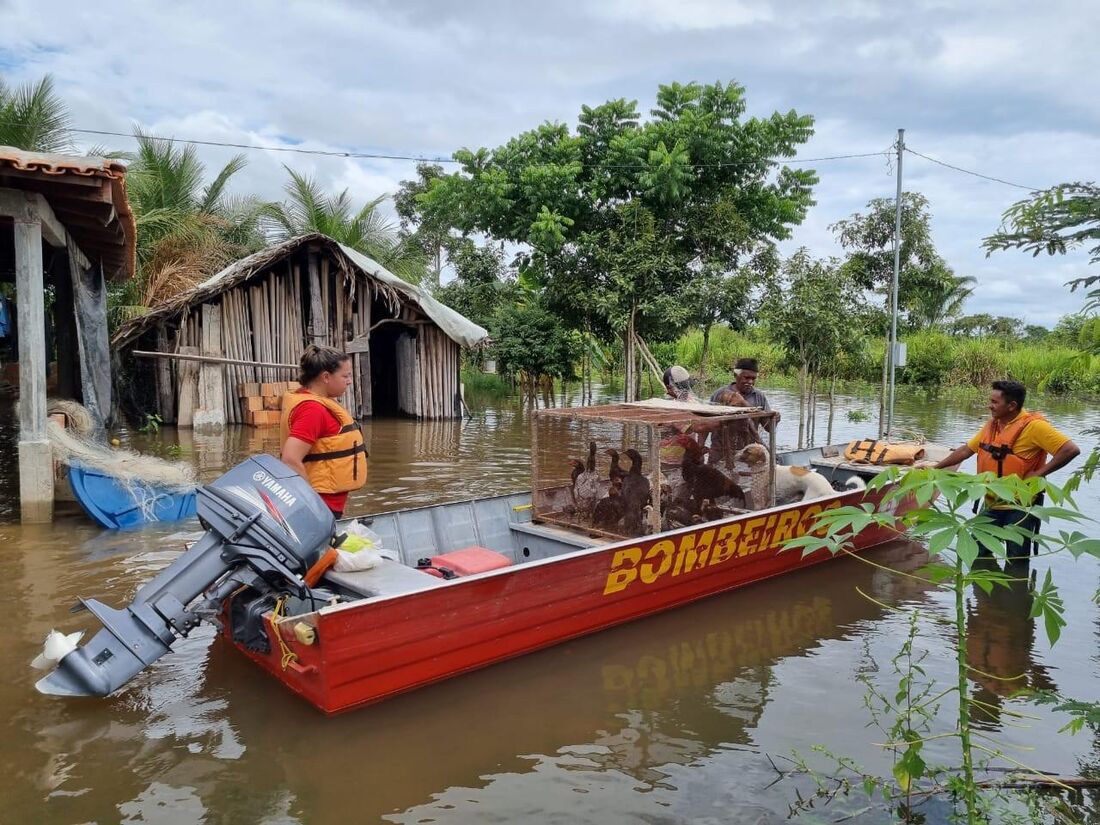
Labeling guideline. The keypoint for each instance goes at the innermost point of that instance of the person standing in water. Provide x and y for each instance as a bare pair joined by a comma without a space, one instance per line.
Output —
321,441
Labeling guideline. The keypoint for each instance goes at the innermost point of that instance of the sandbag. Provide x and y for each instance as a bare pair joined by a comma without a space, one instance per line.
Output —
870,451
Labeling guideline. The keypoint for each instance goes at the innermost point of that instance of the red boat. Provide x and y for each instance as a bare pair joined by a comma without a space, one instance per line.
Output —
471,583
410,629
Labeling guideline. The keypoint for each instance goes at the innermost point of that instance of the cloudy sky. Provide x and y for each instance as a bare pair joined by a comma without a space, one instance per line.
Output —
1002,88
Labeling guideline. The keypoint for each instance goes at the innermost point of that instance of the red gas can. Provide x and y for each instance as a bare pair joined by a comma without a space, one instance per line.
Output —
464,562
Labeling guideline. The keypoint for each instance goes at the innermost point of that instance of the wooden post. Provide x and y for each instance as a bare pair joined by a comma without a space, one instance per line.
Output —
211,411
35,455
317,325
189,391
166,398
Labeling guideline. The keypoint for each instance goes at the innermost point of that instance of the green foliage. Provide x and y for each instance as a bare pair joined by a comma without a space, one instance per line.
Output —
152,424
726,346
810,314
367,230
481,286
616,218
940,300
186,229
1054,221
33,117
531,341
930,359
961,537
927,288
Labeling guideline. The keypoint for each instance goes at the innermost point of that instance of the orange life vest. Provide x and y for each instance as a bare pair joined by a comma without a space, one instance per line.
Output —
870,451
334,464
995,445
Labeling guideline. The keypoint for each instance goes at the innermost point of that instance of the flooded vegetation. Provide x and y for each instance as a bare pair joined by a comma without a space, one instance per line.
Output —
669,719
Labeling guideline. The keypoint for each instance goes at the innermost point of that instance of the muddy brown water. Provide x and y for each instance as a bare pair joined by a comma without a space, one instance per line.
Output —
669,719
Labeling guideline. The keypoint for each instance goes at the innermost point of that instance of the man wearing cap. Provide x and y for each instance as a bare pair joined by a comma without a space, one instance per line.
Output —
678,383
745,371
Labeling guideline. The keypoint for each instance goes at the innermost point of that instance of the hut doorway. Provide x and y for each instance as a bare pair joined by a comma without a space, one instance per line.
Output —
390,368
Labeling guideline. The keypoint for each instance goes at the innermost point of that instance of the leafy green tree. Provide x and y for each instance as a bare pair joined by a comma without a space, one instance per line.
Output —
616,217
714,297
868,237
940,301
532,343
309,209
1036,334
812,316
33,117
429,231
973,326
1006,328
481,287
1068,328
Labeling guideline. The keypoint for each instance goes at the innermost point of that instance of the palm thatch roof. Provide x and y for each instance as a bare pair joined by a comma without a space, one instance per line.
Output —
457,327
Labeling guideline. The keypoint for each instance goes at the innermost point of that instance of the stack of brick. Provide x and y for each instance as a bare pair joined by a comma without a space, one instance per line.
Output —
262,403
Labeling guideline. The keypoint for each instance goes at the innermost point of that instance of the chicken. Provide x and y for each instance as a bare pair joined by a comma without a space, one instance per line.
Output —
636,495
609,510
586,484
616,471
704,481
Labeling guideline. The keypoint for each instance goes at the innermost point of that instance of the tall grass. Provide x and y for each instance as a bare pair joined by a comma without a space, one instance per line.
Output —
935,359
726,346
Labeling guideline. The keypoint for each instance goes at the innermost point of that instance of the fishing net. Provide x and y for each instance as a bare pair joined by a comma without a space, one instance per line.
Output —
146,478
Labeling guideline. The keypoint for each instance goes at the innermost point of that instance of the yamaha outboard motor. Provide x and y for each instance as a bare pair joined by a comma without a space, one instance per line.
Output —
265,527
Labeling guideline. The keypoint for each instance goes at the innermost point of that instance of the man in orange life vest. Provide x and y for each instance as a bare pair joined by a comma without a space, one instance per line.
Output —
1014,442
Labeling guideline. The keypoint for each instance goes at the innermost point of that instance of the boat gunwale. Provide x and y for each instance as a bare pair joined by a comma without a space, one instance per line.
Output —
329,610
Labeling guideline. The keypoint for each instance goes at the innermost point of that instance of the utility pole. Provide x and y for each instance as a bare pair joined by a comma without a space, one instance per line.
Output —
892,350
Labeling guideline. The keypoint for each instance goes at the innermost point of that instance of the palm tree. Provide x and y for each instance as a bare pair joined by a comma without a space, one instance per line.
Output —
309,209
186,231
937,303
34,118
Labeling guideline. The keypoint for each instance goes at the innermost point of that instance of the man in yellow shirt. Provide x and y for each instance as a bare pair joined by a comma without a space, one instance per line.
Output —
1014,442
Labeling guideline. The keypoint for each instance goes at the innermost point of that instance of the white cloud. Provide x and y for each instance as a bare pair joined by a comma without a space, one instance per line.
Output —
687,14
1003,88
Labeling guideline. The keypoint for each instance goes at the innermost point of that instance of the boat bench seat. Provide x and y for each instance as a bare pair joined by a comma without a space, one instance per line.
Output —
389,578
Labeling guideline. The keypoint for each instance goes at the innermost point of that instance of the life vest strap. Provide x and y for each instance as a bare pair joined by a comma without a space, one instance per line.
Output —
334,454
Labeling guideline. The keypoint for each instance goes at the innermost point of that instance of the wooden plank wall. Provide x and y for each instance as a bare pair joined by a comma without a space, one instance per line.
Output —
439,367
274,316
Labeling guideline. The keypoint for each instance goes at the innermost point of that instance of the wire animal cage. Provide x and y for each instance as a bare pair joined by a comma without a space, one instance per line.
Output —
626,470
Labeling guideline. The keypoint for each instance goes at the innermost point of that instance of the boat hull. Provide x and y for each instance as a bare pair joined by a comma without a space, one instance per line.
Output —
112,506
370,650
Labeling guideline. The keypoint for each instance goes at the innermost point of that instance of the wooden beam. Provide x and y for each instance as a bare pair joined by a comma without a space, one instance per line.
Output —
29,206
206,359
83,181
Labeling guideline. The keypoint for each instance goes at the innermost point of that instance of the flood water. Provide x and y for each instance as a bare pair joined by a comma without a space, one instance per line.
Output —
669,719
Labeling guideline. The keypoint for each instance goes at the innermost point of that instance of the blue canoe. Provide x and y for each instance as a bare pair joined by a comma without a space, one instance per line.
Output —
113,506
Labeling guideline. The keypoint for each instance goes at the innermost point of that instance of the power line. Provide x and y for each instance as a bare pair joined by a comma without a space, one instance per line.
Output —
252,147
972,172
427,159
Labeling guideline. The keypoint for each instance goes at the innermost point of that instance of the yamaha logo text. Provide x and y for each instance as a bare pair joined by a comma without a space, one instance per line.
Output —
275,488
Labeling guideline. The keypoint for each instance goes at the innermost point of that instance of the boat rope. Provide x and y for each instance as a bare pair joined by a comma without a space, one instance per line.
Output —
276,617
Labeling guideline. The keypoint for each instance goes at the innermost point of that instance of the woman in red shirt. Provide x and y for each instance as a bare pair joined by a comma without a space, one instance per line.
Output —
321,441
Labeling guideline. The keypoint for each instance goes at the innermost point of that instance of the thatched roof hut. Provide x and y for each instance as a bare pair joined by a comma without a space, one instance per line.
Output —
262,310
